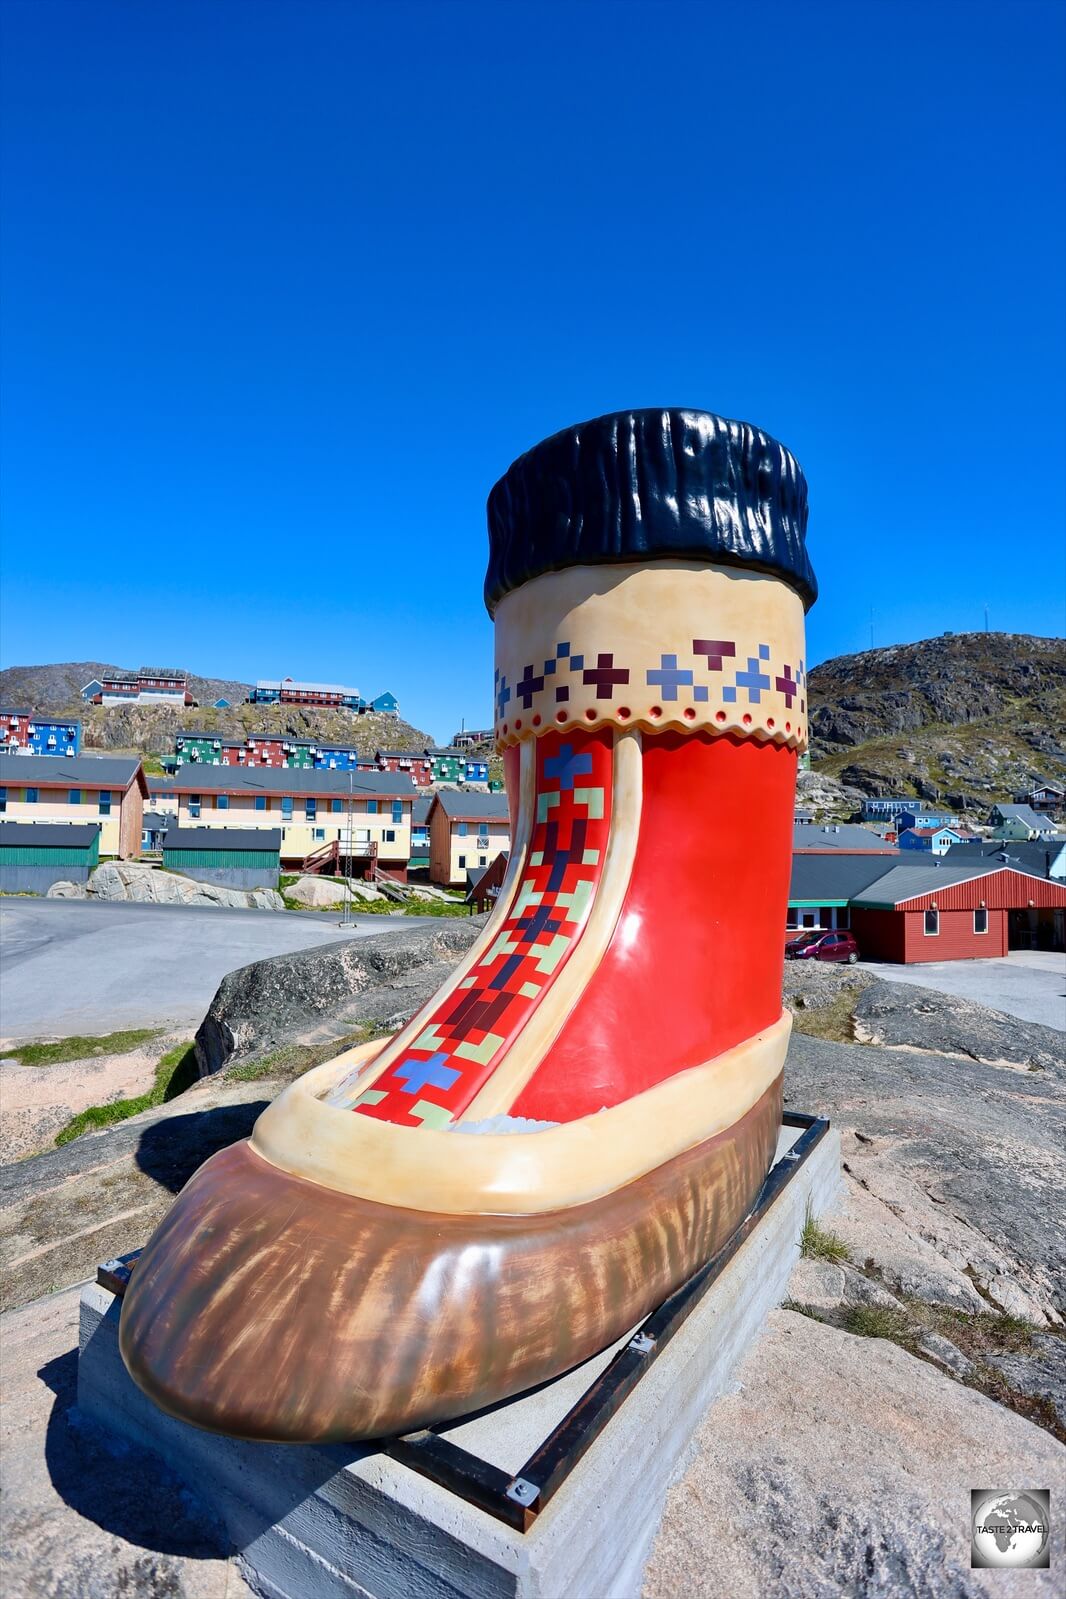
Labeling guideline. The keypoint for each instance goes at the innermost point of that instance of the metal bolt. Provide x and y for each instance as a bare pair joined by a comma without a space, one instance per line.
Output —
523,1492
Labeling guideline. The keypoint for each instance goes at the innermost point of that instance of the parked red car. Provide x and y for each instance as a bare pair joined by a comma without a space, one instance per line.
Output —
823,947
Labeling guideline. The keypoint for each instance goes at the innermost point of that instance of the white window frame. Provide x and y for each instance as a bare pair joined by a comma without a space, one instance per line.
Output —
980,932
932,911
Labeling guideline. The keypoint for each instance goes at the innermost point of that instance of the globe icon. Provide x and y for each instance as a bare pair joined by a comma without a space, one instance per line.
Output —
1010,1529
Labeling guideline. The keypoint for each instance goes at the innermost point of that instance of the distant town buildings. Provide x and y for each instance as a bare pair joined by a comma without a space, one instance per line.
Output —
24,732
1021,822
290,691
154,685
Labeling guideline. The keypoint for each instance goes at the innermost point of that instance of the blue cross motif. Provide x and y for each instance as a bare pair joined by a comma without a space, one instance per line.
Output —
503,694
754,681
431,1073
567,765
764,652
667,676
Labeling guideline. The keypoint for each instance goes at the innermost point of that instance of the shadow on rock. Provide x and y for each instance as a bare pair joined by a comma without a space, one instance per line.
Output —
170,1150
122,1489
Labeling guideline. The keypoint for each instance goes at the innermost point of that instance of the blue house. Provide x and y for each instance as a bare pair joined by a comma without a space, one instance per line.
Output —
476,770
388,703
917,816
220,705
25,732
930,840
883,809
336,757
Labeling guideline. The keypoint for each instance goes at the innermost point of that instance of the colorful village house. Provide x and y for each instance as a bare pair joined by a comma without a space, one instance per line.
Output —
447,765
292,691
110,790
1020,821
921,816
323,816
229,857
1045,797
942,913
929,840
26,732
416,764
1037,857
151,684
420,833
466,833
34,855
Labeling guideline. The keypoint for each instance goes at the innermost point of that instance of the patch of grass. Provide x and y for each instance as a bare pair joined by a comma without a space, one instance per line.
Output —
57,1050
873,1321
175,1072
835,1021
436,907
818,1243
292,1060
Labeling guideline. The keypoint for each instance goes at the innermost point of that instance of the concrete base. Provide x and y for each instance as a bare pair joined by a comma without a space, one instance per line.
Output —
350,1523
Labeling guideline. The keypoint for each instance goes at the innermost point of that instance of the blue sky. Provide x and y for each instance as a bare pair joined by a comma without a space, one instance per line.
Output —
287,286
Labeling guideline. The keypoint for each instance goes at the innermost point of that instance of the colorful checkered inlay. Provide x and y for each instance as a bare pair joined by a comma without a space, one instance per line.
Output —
438,1075
687,682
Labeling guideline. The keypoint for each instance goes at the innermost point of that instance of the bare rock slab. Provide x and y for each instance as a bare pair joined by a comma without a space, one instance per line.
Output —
844,1466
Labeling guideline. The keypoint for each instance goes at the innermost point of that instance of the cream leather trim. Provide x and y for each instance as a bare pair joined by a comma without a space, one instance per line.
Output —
644,619
521,1173
348,1089
547,1021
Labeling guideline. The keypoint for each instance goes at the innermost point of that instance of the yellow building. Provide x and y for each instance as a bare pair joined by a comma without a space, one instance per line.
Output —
466,833
76,789
315,809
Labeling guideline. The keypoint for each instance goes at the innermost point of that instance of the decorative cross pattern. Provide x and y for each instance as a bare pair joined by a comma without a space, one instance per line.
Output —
668,677
753,680
787,685
715,649
605,675
565,686
529,686
442,1070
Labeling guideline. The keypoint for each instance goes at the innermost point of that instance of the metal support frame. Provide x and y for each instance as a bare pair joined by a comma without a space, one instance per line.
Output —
517,1500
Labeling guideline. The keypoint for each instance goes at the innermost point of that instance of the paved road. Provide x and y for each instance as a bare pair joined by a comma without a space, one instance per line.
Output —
1030,984
71,966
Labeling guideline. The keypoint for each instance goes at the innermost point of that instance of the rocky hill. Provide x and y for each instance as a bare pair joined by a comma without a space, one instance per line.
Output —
966,719
58,687
150,730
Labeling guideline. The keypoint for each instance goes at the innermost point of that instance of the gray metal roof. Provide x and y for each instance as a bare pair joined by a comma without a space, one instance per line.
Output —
15,710
73,835
231,838
835,877
907,882
831,836
69,771
420,810
401,755
1034,856
198,778
477,807
1024,814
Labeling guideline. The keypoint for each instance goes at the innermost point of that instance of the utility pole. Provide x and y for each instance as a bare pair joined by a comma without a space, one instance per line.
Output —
347,916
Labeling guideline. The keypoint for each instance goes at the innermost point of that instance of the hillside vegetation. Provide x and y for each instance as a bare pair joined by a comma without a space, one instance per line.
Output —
966,719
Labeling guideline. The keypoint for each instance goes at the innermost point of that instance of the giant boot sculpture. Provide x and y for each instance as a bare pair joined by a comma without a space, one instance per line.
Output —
586,1110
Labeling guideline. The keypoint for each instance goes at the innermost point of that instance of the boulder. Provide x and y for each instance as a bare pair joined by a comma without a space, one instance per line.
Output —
327,991
142,884
908,1017
317,893
65,890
